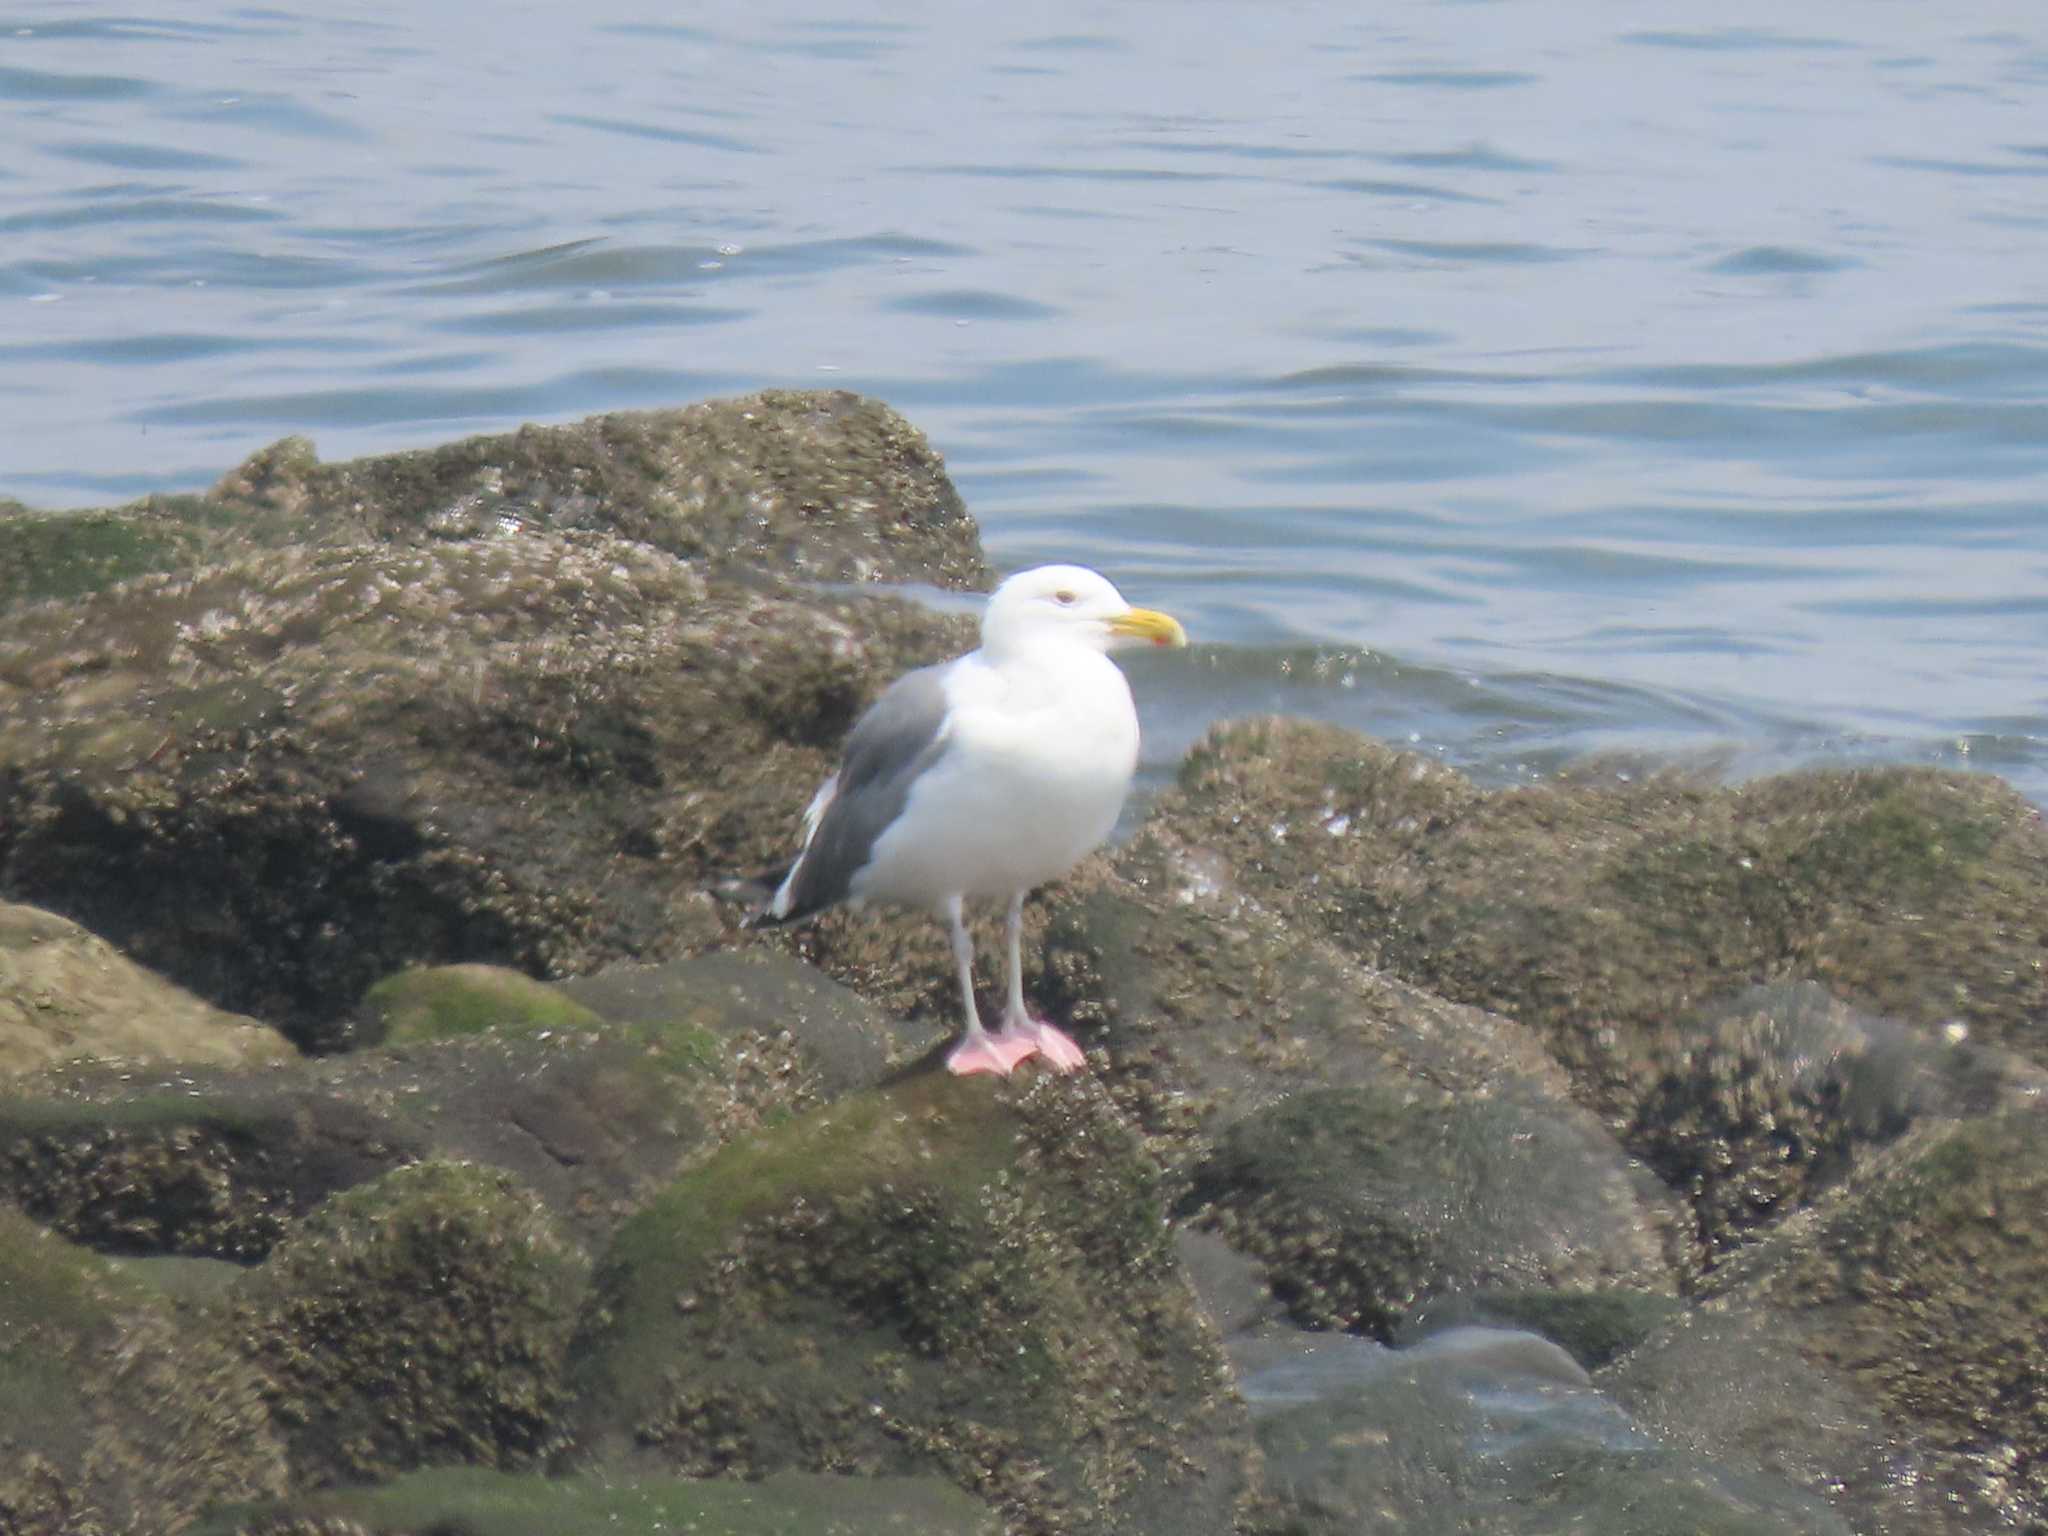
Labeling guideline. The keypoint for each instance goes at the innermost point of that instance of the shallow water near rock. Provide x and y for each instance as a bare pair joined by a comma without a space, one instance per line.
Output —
1473,1423
1517,384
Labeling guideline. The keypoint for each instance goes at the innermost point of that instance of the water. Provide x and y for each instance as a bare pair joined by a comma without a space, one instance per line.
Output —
1516,381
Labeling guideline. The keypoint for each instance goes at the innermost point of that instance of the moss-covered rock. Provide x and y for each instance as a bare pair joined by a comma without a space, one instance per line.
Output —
1208,1004
939,1276
1602,914
1888,1343
1925,1289
65,994
118,1413
1754,1106
825,484
194,1166
441,1002
420,1319
778,1016
56,555
1361,1202
476,1502
218,1163
281,779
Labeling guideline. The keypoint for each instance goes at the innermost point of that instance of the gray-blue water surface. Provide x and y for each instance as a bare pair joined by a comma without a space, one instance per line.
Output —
1516,380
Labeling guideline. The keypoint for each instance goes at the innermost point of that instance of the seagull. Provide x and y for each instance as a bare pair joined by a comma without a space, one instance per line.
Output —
986,776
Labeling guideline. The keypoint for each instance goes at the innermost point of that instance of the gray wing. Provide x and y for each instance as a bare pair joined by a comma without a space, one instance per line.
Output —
899,738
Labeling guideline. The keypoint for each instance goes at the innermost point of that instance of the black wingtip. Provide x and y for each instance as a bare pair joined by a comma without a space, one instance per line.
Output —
756,893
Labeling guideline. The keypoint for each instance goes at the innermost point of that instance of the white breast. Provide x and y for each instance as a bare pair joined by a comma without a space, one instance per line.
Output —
1038,762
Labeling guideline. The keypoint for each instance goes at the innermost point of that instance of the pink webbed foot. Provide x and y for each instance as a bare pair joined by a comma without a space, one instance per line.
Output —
980,1051
1054,1045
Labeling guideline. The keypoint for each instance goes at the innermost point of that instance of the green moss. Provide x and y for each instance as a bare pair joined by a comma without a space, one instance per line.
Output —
939,1275
441,1002
931,1131
482,1503
51,1288
68,554
143,1112
1896,836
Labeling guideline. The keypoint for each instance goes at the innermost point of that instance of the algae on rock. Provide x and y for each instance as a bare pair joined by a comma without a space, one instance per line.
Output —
283,778
119,1414
1362,1204
424,1003
416,1320
1601,914
936,1276
823,483
1887,1345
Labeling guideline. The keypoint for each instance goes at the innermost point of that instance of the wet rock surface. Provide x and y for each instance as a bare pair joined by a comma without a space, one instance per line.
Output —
1386,1441
1894,1324
1625,923
480,1503
400,1133
1358,1204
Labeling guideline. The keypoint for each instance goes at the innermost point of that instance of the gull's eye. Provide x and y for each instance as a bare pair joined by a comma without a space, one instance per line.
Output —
1064,598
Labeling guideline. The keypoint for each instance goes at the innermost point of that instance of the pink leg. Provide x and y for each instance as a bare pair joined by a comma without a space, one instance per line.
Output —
1019,1028
978,1050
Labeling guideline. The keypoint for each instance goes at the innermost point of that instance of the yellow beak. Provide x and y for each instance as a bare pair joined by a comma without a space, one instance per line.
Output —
1148,624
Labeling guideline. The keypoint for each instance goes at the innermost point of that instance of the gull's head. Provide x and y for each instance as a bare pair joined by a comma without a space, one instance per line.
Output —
1074,604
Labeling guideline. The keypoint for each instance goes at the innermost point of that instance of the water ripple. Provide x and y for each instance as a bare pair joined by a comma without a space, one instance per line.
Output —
1452,79
1392,349
1777,260
48,85
660,133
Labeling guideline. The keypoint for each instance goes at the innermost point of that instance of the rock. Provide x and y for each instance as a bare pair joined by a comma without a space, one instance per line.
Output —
119,1413
942,1276
823,484
1754,1106
59,555
201,1165
1888,1343
1226,1031
1210,1005
1595,1327
222,1163
417,1320
441,1002
482,1503
1600,914
780,1014
1479,1430
283,778
65,994
1361,1203
1733,1388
